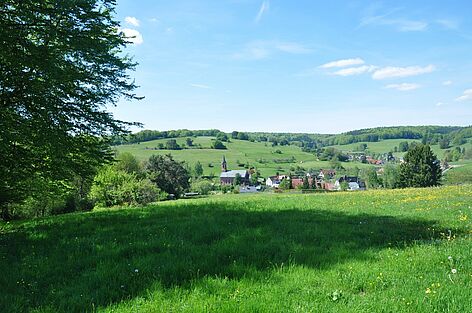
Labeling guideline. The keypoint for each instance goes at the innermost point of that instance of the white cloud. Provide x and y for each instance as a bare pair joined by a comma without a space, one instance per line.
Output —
467,95
400,24
355,70
131,20
403,86
264,8
395,72
439,104
343,63
447,83
258,50
133,36
201,86
408,25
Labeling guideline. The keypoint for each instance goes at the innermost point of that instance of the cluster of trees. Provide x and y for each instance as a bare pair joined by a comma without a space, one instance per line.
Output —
148,135
172,144
62,63
420,168
129,182
442,135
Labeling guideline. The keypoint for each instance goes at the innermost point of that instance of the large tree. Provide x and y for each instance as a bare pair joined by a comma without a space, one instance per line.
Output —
61,66
420,168
168,175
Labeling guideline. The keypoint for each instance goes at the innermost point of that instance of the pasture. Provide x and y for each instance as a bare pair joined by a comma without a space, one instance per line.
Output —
262,156
385,146
375,251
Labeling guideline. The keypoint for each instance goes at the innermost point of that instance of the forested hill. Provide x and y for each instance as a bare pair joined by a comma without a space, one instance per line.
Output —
428,134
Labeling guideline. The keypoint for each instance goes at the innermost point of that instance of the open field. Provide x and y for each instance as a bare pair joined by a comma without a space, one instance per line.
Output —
375,251
237,151
385,146
459,175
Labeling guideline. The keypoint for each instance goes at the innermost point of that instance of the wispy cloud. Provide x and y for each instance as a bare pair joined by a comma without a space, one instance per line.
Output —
131,20
397,72
258,50
350,71
343,63
388,19
447,83
439,104
264,8
132,35
403,86
201,86
467,95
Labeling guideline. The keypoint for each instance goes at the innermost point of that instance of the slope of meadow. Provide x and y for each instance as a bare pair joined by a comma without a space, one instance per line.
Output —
374,251
262,156
385,146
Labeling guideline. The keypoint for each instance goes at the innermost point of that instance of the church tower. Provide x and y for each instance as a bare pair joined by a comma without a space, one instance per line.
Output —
224,167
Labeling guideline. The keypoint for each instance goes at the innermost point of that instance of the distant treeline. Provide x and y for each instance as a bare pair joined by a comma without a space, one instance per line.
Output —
444,135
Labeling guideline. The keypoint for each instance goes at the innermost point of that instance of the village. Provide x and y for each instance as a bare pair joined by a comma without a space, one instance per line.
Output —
324,180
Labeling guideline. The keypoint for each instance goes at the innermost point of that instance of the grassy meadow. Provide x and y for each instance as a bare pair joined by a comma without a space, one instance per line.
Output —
374,251
262,156
460,174
385,146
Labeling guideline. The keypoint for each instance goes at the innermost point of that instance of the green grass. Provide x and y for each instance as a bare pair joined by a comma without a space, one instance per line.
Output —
374,251
385,146
459,175
237,150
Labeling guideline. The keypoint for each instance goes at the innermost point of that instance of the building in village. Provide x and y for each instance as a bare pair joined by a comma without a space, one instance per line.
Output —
326,174
227,177
354,183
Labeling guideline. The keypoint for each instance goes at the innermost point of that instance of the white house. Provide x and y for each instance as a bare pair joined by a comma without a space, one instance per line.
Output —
273,181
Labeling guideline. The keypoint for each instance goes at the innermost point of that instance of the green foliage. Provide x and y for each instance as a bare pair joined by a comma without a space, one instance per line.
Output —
286,184
403,146
306,183
390,176
171,144
237,180
113,187
372,179
217,144
254,179
198,169
222,137
203,187
128,163
444,143
344,185
169,175
189,142
61,65
421,168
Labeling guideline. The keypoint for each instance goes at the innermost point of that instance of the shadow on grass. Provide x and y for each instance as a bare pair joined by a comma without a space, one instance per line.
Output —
77,262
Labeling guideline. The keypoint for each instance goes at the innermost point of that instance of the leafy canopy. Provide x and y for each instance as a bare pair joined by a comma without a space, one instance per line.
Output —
420,168
61,66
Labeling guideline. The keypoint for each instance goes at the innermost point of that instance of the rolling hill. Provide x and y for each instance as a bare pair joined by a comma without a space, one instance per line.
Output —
262,156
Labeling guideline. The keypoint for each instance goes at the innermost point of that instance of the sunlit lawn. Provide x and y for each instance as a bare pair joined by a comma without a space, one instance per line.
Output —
375,251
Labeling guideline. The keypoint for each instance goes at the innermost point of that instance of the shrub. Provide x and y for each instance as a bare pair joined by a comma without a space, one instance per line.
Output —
203,187
114,187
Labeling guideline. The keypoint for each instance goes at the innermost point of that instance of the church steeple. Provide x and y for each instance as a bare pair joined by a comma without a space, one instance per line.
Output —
224,166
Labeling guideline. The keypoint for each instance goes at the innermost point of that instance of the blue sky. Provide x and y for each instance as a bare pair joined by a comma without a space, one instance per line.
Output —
298,66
